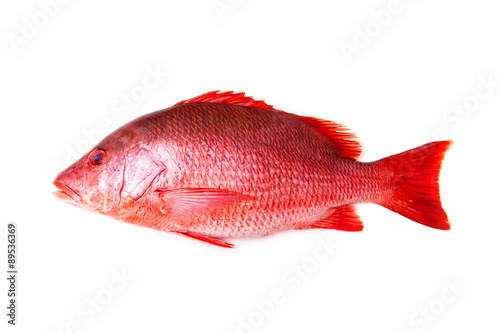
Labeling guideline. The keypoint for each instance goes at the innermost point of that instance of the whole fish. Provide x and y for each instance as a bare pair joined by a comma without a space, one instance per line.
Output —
222,165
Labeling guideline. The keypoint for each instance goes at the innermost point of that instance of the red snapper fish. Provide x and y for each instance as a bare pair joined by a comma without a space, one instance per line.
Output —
222,165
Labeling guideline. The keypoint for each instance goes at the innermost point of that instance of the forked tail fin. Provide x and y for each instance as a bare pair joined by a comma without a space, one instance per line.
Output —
413,190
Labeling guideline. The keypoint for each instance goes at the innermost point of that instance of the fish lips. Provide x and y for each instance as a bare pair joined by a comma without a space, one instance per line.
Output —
67,194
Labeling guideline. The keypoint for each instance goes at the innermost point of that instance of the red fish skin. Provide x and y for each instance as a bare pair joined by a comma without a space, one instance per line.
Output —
230,171
256,153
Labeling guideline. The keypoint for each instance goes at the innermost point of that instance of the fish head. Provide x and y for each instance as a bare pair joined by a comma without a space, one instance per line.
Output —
95,181
113,176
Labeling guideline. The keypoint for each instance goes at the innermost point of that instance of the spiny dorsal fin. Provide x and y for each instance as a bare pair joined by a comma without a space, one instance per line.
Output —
227,97
342,139
345,143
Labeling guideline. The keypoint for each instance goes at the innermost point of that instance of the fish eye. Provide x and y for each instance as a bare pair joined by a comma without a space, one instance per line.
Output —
97,156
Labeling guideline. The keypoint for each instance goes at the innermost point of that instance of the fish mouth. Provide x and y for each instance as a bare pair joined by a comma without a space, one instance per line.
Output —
66,193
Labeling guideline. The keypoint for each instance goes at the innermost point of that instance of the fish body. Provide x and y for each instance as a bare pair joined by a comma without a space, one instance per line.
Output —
222,165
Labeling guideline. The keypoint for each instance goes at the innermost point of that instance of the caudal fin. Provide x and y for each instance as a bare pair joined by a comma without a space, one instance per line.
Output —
413,190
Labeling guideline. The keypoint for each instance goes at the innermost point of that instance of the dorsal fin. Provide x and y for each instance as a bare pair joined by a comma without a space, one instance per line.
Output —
227,97
341,138
345,143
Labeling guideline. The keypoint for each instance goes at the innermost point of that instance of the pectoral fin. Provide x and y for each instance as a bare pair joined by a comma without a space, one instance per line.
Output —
186,201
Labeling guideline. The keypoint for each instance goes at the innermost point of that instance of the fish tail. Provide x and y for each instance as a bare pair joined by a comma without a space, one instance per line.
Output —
413,188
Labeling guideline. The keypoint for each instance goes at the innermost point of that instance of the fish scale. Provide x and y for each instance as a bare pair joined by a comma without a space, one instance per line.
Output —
222,165
316,195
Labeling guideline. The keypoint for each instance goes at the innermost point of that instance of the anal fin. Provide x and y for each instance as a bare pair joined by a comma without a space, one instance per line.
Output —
341,218
208,239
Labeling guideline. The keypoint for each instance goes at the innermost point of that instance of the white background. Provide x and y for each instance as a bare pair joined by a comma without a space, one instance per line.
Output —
62,81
